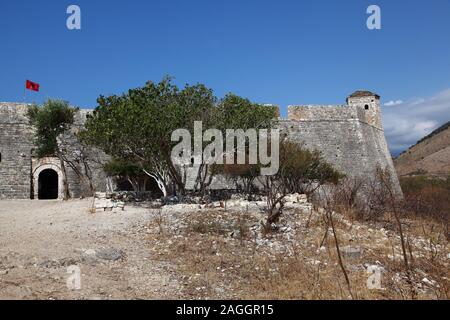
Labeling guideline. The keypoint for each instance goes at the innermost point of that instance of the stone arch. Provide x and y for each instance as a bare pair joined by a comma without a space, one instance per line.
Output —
48,165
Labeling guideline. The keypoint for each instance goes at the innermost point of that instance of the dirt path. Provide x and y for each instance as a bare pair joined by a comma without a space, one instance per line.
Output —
39,240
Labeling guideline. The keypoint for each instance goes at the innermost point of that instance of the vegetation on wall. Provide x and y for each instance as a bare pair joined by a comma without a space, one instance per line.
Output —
51,120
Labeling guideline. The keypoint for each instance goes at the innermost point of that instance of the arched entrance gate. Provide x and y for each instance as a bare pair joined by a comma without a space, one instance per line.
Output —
47,179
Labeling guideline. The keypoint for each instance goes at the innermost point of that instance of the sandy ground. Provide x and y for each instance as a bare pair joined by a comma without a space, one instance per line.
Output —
39,240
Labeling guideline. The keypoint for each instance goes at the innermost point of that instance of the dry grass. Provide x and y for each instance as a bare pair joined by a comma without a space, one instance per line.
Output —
219,257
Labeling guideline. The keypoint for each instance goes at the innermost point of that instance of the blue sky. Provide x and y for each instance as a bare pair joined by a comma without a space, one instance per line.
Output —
281,52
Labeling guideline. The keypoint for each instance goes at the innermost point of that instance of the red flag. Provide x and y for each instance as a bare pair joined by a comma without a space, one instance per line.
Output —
32,85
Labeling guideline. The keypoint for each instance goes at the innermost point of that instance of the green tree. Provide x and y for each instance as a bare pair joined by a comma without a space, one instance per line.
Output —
235,112
137,126
300,171
303,170
129,171
51,120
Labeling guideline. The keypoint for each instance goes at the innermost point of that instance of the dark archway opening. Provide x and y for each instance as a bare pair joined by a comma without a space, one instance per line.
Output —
48,185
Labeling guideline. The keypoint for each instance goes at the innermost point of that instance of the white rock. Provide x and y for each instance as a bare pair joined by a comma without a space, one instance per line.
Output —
296,198
90,252
321,249
219,290
429,282
352,252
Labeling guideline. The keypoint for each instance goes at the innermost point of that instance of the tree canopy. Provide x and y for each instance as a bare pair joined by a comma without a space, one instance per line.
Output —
51,119
137,126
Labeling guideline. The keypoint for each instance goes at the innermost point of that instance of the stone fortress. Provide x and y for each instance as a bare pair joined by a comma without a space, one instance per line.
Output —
23,176
350,136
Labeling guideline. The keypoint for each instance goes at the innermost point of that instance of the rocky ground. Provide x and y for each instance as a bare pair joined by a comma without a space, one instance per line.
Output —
39,240
220,250
224,251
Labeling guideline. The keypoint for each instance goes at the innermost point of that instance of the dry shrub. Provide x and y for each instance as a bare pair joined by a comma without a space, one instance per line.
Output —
423,212
345,198
218,258
370,200
300,171
208,227
160,221
206,223
428,198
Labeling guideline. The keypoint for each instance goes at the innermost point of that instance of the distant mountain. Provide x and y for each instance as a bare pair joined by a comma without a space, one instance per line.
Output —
429,156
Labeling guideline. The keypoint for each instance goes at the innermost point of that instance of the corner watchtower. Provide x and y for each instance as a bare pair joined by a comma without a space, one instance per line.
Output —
368,106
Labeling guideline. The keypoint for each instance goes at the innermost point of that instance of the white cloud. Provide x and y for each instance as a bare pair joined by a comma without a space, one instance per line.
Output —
417,101
407,122
393,103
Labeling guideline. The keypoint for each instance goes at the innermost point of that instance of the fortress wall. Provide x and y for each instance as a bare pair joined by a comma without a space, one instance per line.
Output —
350,137
13,113
99,177
321,113
81,116
340,142
16,142
351,146
80,187
380,154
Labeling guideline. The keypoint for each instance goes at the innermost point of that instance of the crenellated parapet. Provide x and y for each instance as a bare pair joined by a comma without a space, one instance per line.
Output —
13,112
349,136
363,106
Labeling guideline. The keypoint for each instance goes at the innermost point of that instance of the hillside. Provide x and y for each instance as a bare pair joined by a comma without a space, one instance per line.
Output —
430,156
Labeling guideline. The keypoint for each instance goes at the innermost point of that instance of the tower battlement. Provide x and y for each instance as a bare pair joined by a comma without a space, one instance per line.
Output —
363,106
13,112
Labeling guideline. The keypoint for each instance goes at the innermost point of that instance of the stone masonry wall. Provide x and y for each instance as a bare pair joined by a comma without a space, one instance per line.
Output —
17,164
350,137
93,160
16,142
